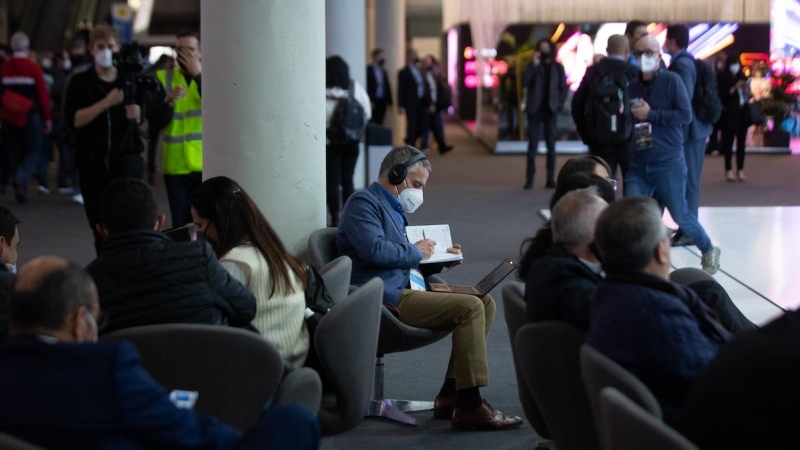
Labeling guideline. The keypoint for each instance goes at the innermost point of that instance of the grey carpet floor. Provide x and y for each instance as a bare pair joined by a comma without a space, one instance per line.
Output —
480,195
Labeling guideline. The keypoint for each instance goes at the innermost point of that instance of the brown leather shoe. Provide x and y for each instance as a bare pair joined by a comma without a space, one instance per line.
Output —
443,407
485,417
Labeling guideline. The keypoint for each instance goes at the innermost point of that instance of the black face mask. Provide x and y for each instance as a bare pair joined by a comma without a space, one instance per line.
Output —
381,62
546,56
416,60
201,237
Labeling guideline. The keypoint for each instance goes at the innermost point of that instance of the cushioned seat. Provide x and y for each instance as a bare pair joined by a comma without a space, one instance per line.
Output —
322,246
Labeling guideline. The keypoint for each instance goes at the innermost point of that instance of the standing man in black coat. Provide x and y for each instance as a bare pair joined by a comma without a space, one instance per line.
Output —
546,82
413,98
618,154
378,87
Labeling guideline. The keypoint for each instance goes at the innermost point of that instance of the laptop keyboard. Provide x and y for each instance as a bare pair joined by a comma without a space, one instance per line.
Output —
462,289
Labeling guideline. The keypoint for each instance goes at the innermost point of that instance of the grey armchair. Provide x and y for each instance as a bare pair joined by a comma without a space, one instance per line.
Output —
346,341
322,246
514,309
235,371
629,427
336,275
548,357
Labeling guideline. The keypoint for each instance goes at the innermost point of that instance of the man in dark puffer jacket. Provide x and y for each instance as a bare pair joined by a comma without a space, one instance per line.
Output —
9,244
145,278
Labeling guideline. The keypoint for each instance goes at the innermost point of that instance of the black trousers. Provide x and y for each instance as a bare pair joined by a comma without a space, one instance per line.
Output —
340,163
94,176
179,193
416,122
536,122
615,155
740,134
379,112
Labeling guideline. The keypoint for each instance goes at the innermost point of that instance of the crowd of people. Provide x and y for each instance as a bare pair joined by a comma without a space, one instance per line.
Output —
601,264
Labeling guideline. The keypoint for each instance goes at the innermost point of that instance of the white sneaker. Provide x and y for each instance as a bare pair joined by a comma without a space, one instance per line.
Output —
77,198
43,190
66,190
710,261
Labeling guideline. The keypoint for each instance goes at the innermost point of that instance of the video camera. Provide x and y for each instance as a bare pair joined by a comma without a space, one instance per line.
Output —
130,64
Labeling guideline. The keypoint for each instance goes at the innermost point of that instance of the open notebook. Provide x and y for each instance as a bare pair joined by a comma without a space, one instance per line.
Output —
440,234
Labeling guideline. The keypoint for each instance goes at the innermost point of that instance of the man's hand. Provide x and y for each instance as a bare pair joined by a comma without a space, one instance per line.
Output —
190,62
114,97
48,127
641,112
176,93
456,249
426,247
133,112
537,58
401,110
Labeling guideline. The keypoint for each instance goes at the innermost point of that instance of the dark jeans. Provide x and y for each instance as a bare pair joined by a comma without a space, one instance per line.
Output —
667,179
152,145
535,122
378,112
740,134
340,163
23,149
94,177
436,126
284,427
179,193
718,300
695,155
617,155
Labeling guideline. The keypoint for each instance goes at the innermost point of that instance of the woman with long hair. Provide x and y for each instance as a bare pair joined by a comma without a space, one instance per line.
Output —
735,119
340,157
253,254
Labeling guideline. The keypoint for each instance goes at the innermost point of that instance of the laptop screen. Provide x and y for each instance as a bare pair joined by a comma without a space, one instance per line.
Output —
496,276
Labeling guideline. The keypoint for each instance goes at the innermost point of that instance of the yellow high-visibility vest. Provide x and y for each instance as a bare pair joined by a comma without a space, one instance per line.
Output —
183,137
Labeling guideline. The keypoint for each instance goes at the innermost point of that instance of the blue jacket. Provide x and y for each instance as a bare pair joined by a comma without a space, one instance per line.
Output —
683,65
372,235
95,396
658,330
670,110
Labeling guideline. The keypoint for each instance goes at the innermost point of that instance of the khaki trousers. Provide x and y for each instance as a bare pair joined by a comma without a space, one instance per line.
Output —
467,316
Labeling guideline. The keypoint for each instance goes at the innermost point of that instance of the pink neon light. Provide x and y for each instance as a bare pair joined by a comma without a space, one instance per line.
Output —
470,67
469,53
452,57
471,81
500,68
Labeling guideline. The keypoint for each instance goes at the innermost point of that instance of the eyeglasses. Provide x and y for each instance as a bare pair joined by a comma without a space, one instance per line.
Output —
648,53
613,183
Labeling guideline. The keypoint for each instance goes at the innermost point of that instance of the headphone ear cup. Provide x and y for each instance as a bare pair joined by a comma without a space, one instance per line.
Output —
397,174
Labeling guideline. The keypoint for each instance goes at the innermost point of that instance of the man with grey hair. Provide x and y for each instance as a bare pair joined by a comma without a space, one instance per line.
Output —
660,331
25,112
561,284
372,232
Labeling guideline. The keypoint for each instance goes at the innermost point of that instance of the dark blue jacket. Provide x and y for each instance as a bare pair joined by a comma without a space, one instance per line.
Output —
658,330
560,287
670,110
372,235
683,65
95,396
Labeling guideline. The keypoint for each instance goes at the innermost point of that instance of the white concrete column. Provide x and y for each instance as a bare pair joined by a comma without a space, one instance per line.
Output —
390,35
264,108
346,36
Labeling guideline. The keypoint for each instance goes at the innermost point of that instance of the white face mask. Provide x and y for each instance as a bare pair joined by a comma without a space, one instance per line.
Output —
47,64
92,324
648,64
720,66
67,65
410,199
104,58
12,268
735,68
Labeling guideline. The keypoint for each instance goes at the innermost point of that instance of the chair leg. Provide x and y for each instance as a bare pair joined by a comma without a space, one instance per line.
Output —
392,409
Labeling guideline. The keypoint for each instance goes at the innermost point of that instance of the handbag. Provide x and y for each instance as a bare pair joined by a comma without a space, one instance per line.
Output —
757,116
15,108
318,300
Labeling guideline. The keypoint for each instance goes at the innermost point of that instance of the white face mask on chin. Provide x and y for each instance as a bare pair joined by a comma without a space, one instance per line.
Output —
410,199
735,68
104,58
648,64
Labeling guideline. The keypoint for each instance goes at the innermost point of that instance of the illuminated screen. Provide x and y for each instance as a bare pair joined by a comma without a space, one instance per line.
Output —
785,36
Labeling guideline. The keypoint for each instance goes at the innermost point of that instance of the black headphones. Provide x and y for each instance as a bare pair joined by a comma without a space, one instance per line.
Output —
399,172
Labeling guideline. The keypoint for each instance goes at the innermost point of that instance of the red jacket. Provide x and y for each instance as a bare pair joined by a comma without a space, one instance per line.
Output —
24,76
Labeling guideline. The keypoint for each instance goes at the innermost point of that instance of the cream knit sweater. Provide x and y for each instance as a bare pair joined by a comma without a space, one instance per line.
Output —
280,319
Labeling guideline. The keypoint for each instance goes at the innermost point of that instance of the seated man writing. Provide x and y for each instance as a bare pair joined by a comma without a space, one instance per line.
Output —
372,232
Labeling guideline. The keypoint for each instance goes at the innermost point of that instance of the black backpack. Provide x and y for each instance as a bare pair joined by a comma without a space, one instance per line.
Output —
608,115
318,299
348,120
705,102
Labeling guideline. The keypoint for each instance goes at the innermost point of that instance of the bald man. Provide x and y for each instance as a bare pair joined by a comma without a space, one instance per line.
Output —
60,393
658,165
616,151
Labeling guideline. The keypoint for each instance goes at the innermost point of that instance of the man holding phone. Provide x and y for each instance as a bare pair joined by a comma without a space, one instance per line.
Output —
183,136
658,165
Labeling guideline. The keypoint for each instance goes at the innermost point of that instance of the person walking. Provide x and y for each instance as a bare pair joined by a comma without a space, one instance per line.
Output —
735,119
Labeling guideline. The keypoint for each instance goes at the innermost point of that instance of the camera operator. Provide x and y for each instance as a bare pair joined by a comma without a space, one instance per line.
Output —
109,129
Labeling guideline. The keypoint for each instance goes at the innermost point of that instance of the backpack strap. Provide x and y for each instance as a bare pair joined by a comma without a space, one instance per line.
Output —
352,89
